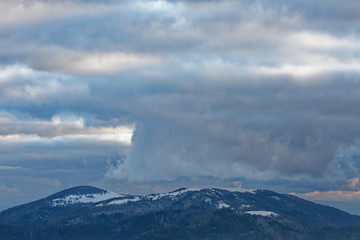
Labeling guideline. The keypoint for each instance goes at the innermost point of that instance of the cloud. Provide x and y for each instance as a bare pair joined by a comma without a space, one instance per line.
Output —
346,163
4,189
323,41
167,151
310,68
21,83
60,128
238,184
258,38
91,64
331,195
354,183
250,91
25,12
258,130
10,167
229,75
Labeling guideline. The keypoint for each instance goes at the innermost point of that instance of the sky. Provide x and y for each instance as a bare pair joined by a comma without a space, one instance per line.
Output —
147,96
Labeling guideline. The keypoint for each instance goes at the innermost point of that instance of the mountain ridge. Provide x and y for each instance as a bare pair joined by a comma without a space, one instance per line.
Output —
184,210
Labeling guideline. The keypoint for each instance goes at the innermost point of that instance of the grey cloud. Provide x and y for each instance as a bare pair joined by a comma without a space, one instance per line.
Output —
347,161
21,84
240,90
279,127
255,36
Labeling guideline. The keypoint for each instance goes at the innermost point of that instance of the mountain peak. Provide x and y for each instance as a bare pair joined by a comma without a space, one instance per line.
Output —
80,195
78,190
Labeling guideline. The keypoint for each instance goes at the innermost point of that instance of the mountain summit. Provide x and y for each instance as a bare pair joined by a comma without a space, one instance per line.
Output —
86,212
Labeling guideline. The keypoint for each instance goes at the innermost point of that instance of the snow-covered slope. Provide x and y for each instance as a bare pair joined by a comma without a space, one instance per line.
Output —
84,198
171,195
120,201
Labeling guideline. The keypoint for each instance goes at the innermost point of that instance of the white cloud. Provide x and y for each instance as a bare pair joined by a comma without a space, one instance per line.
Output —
354,183
59,120
10,138
330,195
60,128
20,82
305,67
2,167
90,63
25,12
158,5
322,41
120,134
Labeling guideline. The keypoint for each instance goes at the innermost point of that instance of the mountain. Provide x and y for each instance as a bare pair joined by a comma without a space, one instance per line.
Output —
91,213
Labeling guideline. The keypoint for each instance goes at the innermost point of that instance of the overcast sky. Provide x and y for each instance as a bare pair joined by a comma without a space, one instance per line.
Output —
147,96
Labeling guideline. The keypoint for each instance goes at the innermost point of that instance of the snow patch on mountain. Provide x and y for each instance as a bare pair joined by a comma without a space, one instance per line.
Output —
172,195
84,198
276,198
245,206
221,204
124,201
263,213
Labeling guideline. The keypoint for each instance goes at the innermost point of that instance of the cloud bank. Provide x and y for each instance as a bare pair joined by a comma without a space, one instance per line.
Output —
161,92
